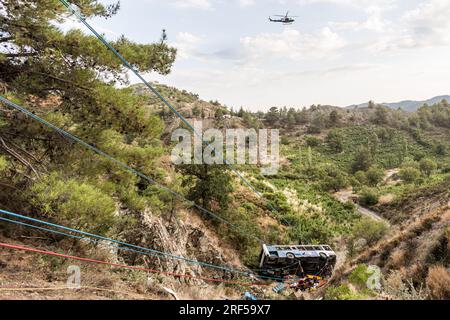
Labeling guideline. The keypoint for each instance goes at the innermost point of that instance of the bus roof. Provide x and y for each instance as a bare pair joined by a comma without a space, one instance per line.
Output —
322,247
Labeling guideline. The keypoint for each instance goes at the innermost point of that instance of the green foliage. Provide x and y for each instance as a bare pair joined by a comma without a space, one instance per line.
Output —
211,183
219,114
438,114
61,70
359,276
313,141
381,115
361,177
308,230
3,164
334,180
341,292
374,175
243,237
318,123
368,197
284,140
273,116
369,230
441,149
427,166
362,160
74,202
196,111
335,141
335,118
409,174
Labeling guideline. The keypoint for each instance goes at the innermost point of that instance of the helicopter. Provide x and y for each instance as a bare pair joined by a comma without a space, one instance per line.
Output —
286,19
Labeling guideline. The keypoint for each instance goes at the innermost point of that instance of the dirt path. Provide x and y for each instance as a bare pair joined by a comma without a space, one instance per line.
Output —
348,194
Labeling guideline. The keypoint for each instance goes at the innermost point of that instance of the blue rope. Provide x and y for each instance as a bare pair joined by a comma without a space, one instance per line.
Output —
122,164
122,245
167,103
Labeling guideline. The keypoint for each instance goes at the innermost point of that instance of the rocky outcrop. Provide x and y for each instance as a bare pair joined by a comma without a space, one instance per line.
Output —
176,238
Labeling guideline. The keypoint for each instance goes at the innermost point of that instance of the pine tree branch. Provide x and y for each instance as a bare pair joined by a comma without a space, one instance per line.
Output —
17,156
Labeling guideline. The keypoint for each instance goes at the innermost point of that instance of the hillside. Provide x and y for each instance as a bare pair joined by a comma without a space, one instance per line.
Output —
407,105
319,158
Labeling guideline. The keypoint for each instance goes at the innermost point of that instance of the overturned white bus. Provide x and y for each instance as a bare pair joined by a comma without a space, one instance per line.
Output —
298,260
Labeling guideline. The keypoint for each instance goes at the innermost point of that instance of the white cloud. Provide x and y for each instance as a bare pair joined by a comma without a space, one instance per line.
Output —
382,4
196,4
187,45
291,44
246,3
429,23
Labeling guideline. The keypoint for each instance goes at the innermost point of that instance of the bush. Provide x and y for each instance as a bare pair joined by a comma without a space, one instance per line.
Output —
335,141
75,203
409,174
370,230
368,197
427,166
441,150
285,140
308,230
361,177
438,282
359,276
342,292
334,180
313,141
374,175
362,161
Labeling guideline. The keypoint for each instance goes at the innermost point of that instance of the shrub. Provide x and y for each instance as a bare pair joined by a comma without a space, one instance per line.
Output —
427,166
313,141
368,197
309,230
374,175
361,177
335,141
359,276
441,149
342,292
334,180
409,174
438,282
73,202
370,230
362,161
285,140
400,288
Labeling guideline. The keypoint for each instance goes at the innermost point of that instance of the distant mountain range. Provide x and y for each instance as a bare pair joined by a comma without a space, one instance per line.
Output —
407,105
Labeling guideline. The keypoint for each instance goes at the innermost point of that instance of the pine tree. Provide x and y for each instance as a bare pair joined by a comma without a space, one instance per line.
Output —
69,78
212,183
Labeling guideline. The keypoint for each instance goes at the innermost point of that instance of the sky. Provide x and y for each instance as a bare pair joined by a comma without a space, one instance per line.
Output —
338,52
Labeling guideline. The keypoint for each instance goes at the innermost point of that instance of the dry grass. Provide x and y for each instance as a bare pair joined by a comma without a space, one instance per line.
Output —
397,287
438,281
448,238
386,199
397,259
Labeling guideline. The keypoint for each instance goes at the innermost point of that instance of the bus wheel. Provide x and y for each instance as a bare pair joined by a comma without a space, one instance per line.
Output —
290,255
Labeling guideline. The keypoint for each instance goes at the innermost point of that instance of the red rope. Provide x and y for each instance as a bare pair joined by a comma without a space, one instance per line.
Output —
50,253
